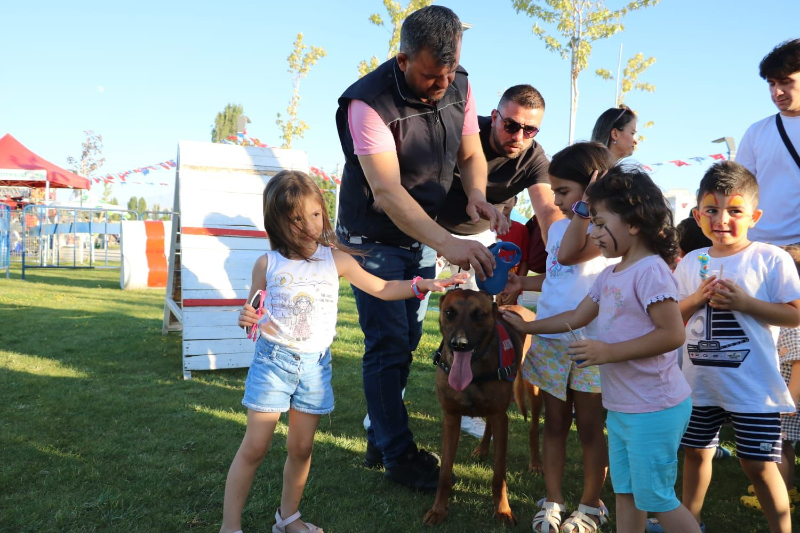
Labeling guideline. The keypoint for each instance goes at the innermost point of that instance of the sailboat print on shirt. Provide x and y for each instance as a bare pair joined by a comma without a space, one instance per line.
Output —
722,332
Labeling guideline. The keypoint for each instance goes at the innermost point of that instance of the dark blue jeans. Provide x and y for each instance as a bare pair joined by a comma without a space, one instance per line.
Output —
391,332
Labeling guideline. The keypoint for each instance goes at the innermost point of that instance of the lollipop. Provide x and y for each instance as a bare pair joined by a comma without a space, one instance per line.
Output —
704,259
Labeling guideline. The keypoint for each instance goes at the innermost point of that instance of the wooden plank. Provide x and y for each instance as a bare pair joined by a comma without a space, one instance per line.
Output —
213,180
195,153
190,242
224,232
199,268
230,331
216,346
221,208
213,302
196,317
218,361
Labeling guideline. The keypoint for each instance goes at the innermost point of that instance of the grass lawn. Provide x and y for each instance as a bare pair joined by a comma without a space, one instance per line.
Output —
99,431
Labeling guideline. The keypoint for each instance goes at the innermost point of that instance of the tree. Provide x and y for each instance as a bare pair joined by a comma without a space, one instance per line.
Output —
141,207
580,23
91,155
636,65
133,204
300,63
397,15
226,123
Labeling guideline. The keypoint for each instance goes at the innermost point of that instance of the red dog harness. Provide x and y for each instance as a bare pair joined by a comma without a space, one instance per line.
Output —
507,367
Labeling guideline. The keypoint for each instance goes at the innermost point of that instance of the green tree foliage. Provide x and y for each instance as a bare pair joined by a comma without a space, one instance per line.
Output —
397,14
328,194
91,157
635,66
225,123
579,23
133,204
141,206
300,63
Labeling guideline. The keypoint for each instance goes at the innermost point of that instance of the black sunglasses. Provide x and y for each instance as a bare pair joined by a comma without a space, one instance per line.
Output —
512,127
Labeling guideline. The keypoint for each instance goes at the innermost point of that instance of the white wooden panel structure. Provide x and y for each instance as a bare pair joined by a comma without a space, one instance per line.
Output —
216,238
144,253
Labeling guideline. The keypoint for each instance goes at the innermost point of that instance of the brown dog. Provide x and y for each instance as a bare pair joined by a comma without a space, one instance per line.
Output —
474,385
525,394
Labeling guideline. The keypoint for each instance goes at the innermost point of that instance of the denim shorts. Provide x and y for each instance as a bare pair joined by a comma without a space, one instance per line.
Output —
280,378
643,455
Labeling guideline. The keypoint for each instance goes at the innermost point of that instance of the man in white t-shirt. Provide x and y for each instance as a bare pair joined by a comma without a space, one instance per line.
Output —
764,153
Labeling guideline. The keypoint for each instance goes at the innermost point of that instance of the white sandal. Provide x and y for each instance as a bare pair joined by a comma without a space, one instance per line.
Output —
548,516
281,523
581,520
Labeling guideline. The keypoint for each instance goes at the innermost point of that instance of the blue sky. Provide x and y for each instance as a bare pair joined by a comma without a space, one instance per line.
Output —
148,74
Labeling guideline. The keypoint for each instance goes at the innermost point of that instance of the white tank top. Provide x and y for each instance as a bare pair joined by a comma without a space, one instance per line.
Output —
301,303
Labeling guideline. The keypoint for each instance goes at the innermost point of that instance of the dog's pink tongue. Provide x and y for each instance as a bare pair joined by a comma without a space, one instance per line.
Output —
461,371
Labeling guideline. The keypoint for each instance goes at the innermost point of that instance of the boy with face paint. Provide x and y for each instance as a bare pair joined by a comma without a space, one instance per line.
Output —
732,310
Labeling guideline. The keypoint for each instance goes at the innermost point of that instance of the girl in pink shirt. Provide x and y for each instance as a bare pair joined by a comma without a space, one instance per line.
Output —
639,328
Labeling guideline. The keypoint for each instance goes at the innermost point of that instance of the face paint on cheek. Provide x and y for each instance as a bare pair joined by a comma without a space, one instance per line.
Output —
612,238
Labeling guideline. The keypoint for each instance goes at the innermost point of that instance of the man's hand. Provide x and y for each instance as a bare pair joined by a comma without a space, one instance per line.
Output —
589,352
467,253
478,207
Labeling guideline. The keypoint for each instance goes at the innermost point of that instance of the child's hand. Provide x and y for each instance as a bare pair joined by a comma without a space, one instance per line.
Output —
511,291
516,321
725,294
702,294
247,316
589,352
439,285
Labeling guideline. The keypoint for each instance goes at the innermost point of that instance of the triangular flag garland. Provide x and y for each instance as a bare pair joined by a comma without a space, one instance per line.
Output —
682,163
123,176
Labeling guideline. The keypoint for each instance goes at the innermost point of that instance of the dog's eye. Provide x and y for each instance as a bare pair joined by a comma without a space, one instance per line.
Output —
479,315
449,313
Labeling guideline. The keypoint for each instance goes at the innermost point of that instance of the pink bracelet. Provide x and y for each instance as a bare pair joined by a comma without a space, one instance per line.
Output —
419,294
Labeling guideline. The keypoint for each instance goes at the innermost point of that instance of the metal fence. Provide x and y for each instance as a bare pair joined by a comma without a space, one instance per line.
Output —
71,237
5,242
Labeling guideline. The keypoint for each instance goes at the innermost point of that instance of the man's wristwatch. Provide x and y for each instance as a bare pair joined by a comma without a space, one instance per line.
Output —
581,209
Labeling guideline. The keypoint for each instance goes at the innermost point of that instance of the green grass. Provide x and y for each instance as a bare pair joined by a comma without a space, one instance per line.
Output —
99,431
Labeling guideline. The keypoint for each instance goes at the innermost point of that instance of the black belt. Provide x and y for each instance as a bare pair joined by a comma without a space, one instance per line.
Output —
363,239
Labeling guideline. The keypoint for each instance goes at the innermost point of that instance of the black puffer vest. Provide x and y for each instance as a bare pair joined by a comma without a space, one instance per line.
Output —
427,138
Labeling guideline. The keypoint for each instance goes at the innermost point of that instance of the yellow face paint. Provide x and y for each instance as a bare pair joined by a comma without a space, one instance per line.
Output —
725,219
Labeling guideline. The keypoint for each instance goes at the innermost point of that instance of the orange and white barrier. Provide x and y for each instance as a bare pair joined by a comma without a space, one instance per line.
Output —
145,249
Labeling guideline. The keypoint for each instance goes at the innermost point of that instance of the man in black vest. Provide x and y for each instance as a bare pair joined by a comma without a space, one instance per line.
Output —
403,128
515,161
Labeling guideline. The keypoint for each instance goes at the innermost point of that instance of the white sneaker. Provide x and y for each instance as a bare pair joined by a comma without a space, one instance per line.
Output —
474,426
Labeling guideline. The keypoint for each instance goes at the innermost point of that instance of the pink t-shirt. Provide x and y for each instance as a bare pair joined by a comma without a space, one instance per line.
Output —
639,385
372,136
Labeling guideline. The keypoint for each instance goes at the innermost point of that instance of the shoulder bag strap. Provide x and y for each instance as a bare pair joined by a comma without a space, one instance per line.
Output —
786,140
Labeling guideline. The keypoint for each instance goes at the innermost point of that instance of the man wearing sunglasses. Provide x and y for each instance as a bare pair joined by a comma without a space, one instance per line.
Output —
515,162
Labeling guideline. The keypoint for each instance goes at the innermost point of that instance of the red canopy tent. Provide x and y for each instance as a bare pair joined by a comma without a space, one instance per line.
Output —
14,156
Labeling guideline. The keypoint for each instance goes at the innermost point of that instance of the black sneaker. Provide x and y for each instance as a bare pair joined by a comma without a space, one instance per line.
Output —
374,457
416,469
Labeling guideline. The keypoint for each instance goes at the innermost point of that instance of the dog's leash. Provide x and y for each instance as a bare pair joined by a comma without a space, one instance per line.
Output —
505,346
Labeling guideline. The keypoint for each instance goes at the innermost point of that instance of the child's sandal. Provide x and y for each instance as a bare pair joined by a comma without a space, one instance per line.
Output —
581,521
549,517
281,523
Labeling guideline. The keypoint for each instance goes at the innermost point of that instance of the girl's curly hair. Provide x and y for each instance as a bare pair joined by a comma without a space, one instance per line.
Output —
630,193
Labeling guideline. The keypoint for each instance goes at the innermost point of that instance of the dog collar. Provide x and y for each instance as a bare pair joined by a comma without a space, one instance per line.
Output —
507,366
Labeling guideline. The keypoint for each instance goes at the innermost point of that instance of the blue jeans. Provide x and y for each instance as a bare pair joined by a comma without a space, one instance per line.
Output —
391,332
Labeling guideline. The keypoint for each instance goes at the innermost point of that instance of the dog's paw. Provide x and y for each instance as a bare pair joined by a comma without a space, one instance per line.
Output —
507,517
480,453
434,516
535,467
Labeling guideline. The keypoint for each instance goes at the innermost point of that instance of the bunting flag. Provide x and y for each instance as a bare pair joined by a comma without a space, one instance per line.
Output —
322,174
682,163
123,176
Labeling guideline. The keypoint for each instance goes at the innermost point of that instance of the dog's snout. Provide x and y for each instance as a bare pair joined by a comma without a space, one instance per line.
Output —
459,342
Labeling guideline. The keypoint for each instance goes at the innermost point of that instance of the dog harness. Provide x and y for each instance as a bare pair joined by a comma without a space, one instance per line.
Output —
507,367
